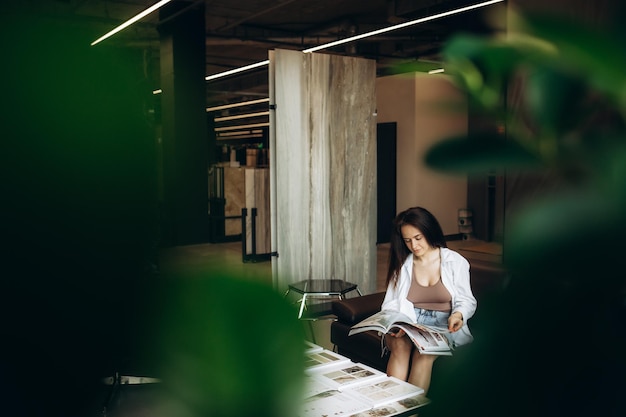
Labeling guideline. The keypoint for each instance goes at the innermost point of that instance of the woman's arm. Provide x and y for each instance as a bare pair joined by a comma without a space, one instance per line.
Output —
464,301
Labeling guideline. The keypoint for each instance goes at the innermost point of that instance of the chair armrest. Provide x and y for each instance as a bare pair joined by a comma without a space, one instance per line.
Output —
353,310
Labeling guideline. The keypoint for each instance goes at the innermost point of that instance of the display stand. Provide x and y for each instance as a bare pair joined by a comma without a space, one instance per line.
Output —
252,256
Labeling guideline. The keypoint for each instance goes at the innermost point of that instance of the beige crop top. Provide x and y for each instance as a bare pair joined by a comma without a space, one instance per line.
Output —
435,297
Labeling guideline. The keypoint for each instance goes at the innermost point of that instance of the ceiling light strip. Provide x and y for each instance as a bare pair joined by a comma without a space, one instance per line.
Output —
242,116
242,136
242,103
236,70
401,25
226,128
238,138
131,21
361,36
240,132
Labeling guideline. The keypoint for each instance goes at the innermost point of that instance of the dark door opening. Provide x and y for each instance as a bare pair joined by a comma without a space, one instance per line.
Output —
386,179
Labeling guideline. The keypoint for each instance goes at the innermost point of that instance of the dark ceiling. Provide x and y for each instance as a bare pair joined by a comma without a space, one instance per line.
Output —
240,32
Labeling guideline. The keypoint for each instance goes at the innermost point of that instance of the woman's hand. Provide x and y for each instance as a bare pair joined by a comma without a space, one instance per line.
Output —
455,321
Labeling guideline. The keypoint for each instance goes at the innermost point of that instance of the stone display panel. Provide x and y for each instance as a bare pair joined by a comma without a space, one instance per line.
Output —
324,156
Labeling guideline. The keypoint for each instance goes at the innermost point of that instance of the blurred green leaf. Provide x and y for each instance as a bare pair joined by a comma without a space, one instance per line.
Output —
494,55
597,55
411,67
476,154
570,237
231,348
483,66
560,87
554,100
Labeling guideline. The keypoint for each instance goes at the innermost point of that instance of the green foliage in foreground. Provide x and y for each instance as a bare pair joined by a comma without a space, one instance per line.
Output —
565,118
552,342
229,348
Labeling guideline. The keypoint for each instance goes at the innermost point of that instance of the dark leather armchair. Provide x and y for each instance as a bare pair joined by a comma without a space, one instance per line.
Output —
487,279
362,347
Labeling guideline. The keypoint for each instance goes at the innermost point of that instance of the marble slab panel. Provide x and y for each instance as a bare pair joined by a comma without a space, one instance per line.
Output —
325,162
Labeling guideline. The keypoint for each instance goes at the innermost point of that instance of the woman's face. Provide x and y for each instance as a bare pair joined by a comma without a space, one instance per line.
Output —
414,240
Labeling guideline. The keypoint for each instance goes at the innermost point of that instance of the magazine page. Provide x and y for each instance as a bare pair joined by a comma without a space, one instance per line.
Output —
427,340
382,392
331,403
341,376
324,358
310,347
314,386
381,321
405,405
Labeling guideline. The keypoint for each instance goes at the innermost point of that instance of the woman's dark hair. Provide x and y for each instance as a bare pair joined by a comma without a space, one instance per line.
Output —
421,219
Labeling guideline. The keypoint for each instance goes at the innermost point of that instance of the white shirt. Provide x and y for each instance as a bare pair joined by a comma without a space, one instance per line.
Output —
455,277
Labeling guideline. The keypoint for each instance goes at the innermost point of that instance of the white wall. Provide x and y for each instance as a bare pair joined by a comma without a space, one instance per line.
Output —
421,106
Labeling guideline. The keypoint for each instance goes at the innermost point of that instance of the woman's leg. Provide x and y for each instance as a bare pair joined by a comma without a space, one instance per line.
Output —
421,370
400,356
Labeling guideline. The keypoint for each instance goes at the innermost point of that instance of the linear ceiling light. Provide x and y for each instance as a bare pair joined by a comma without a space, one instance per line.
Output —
243,103
401,25
236,70
242,116
242,136
240,132
131,21
361,36
226,128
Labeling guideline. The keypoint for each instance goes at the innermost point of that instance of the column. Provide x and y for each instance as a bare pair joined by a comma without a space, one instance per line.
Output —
184,125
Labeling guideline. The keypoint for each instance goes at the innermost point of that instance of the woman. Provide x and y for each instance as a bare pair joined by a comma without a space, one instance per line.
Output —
429,283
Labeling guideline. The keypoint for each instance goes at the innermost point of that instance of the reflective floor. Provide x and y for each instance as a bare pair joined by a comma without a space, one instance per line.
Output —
210,257
228,257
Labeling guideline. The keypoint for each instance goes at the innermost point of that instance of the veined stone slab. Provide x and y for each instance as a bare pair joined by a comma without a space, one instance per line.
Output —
325,168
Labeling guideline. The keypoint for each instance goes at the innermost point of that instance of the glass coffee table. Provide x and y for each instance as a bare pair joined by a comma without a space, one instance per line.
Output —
320,289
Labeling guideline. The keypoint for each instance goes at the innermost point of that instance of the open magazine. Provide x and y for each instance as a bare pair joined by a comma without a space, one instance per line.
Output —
336,386
429,340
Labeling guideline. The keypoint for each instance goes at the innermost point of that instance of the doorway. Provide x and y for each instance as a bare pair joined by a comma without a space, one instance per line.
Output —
386,179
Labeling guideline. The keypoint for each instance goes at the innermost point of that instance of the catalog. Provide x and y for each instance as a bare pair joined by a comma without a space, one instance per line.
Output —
429,340
336,386
343,375
324,358
396,407
332,403
362,400
310,347
382,392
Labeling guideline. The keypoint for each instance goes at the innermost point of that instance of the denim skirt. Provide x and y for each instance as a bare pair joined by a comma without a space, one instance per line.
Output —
439,320
432,318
